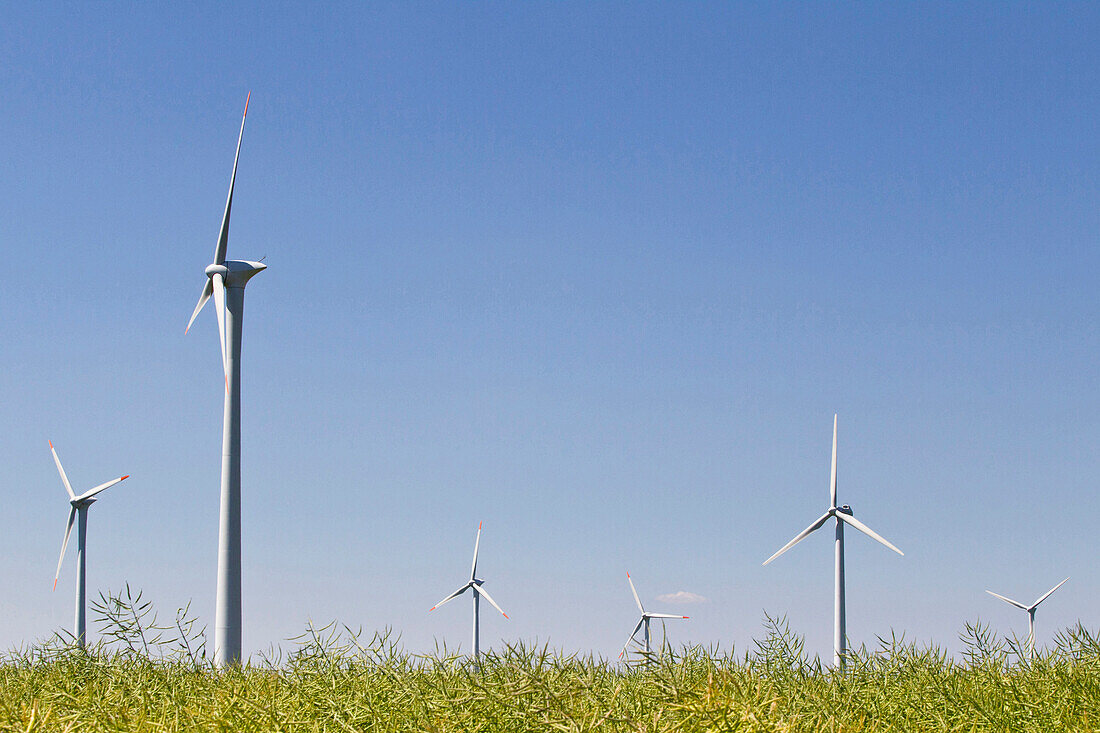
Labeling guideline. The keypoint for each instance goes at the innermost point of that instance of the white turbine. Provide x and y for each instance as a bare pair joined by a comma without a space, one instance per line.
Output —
474,584
1030,613
78,510
843,515
643,622
226,280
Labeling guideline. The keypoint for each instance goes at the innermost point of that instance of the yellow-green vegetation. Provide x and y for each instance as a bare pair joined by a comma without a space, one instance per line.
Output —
143,676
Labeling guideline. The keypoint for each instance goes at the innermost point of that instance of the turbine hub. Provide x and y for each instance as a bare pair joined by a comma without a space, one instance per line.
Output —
212,270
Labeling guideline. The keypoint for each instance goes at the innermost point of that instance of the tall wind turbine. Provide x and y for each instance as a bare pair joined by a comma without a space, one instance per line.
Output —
843,515
225,281
643,622
1030,613
474,584
78,510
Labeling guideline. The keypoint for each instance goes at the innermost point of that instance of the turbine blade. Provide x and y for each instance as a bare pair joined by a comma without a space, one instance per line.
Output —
1047,594
1017,604
632,634
477,543
219,306
64,544
800,536
207,291
451,597
480,590
101,487
665,615
832,470
636,599
867,531
223,235
60,470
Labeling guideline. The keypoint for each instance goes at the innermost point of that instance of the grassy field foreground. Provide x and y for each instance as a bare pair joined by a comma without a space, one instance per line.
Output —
145,677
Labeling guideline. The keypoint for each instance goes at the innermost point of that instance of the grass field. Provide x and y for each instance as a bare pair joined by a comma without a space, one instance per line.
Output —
144,676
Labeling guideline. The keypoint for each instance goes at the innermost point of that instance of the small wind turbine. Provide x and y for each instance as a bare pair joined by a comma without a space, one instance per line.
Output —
78,509
225,281
643,622
474,584
843,515
1030,613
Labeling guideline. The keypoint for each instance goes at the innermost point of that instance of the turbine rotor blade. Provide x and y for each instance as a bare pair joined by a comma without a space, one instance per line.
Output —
60,470
477,543
451,597
665,615
89,494
223,235
632,634
832,470
207,291
867,531
481,591
1017,604
801,536
64,544
636,599
1047,594
219,306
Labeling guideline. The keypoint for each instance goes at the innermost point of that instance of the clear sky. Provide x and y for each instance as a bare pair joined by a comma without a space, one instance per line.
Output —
598,275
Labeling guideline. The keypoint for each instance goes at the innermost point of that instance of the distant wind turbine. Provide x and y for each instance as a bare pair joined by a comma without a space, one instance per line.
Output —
78,510
474,584
643,622
225,281
1030,613
843,515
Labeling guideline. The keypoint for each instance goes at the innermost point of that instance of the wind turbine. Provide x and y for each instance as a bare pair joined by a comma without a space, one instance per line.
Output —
473,584
643,622
78,509
843,515
225,281
1030,613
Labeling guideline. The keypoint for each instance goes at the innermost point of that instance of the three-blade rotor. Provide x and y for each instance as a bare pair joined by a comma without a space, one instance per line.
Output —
1033,606
474,583
645,616
841,514
76,503
217,271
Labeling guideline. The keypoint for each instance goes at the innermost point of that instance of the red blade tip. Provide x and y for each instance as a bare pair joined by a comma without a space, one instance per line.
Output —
432,608
55,583
246,100
124,477
51,444
506,616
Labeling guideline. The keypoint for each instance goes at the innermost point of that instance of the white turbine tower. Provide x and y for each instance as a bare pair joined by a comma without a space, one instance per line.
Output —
643,622
226,280
474,584
843,515
1030,613
78,510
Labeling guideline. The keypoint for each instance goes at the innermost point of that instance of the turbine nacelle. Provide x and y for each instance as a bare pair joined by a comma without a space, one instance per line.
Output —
235,273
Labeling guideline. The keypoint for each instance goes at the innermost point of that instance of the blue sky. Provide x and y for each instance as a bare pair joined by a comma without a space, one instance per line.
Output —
596,275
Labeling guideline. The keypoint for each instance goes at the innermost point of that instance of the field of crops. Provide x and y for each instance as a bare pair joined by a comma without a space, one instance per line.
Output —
146,676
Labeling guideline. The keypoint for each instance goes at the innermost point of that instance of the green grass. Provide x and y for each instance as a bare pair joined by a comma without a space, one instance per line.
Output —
144,676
